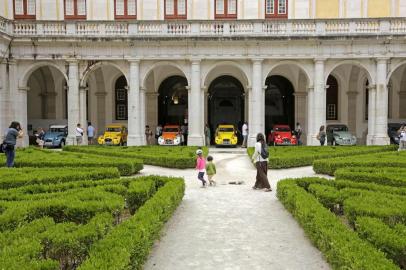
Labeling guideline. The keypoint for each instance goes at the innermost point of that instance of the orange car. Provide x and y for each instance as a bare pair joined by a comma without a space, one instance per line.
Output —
171,135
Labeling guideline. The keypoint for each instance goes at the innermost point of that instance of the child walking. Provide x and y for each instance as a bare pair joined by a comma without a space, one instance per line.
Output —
200,166
211,170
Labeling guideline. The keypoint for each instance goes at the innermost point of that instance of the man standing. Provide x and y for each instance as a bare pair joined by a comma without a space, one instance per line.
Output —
79,134
90,133
245,134
402,138
298,133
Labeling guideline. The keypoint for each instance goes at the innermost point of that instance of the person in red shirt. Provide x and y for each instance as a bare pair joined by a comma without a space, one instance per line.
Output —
201,166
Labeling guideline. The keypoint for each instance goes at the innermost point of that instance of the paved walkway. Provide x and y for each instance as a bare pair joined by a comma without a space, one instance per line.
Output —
231,226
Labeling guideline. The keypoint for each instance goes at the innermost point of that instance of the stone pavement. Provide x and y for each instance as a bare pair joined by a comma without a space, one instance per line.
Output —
232,226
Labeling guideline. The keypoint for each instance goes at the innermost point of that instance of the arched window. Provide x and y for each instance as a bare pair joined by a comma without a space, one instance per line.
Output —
121,99
332,98
24,9
75,9
125,9
225,9
175,9
276,9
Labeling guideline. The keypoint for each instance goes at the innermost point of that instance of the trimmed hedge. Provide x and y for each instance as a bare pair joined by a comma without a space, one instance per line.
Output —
391,240
16,177
384,176
128,245
377,160
297,156
341,246
180,157
30,157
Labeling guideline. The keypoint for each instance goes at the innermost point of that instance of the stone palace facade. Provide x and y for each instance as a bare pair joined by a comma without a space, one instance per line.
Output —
149,62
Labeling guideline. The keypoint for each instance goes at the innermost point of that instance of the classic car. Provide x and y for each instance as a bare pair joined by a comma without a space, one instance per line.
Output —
171,135
226,135
393,132
115,134
56,136
338,134
281,135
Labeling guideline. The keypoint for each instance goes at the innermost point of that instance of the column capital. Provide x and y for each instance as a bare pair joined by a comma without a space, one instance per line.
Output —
300,94
371,87
83,88
134,60
143,89
320,59
382,59
152,94
72,61
195,60
352,93
204,88
24,88
257,60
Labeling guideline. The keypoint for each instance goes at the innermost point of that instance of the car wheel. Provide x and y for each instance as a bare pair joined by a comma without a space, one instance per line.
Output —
62,144
334,143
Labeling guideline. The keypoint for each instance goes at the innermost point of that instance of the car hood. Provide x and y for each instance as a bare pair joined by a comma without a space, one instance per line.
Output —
169,135
111,134
52,135
343,134
283,134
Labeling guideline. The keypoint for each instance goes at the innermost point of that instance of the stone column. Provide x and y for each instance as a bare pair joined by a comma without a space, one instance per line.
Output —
381,124
4,104
310,113
256,104
371,114
135,136
21,114
319,99
73,101
195,118
142,113
352,111
83,112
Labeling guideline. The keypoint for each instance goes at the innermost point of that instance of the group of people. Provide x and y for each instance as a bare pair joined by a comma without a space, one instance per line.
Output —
80,134
260,158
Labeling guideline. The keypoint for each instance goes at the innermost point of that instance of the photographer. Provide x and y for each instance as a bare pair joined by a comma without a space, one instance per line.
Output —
10,142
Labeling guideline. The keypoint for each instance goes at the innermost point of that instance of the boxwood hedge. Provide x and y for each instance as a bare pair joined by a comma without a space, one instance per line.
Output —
30,157
390,176
181,157
297,156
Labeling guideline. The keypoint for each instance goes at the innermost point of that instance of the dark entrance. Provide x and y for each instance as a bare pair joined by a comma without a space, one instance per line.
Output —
279,102
226,102
173,101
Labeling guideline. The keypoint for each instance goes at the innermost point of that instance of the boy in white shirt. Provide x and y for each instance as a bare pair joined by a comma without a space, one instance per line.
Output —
79,135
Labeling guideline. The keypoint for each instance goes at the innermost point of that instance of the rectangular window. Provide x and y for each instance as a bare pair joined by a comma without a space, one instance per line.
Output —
276,9
121,112
24,9
282,7
75,9
331,112
270,7
225,9
125,9
175,9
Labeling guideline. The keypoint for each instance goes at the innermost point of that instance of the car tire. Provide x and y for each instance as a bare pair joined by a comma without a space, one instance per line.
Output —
62,144
334,143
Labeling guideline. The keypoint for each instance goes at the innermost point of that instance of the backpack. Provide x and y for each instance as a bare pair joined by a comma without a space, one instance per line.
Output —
264,151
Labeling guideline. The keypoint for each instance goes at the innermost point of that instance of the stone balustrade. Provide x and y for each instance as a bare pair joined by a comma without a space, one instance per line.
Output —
253,28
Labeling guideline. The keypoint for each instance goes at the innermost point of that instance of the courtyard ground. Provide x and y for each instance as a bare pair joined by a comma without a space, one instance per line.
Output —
232,226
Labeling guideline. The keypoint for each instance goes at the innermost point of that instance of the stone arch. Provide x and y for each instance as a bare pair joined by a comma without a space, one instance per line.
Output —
145,74
305,69
359,64
237,72
394,69
32,68
97,65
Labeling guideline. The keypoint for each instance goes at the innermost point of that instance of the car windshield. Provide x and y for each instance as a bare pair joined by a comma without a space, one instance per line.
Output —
339,128
171,129
57,130
113,129
282,129
228,129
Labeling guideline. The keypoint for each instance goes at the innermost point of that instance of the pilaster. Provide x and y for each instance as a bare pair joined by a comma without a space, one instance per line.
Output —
73,100
21,114
382,103
142,111
195,118
4,104
257,101
135,130
83,112
371,114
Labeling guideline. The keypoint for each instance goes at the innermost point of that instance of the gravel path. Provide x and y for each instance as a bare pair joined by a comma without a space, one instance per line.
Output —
232,226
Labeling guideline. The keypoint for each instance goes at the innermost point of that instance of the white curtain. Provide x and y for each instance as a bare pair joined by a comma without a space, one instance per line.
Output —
132,7
181,7
220,7
232,7
81,7
30,7
170,7
69,7
19,7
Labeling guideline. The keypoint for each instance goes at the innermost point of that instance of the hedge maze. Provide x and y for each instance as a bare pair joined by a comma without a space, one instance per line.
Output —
357,220
66,210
